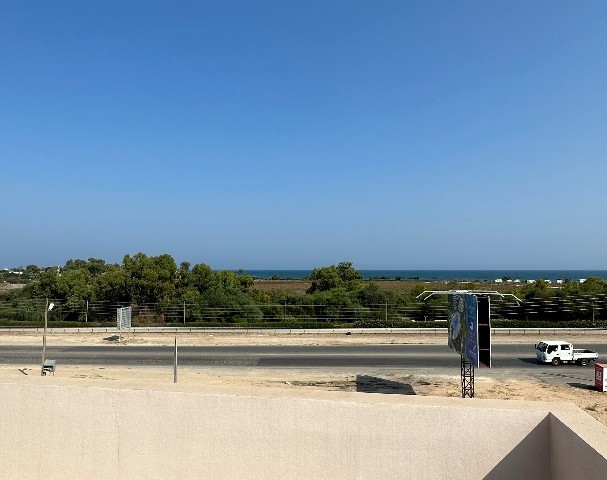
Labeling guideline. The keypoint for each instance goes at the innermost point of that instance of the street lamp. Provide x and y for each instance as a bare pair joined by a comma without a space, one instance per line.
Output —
49,307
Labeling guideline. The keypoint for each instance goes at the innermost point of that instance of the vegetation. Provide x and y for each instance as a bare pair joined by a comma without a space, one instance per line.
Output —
163,293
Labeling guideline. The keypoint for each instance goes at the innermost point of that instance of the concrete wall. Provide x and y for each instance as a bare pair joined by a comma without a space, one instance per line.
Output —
63,431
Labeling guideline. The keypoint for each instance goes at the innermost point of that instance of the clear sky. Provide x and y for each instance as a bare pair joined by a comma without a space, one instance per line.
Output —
277,134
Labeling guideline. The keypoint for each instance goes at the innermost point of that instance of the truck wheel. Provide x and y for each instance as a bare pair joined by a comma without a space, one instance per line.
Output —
583,362
556,361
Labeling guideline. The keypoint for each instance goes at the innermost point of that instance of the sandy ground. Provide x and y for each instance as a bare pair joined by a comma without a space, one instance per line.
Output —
252,338
379,381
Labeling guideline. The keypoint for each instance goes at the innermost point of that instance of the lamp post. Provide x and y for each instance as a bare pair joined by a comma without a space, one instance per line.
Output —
48,308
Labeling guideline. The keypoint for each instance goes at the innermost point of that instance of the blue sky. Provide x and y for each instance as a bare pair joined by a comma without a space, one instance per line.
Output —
272,134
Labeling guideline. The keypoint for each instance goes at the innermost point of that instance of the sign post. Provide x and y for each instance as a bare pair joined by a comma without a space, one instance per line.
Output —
123,320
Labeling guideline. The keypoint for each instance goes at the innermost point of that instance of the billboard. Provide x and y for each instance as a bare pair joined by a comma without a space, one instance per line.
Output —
463,325
469,327
123,318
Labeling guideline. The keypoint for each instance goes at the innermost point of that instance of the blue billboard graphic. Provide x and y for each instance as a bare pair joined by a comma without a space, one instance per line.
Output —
463,326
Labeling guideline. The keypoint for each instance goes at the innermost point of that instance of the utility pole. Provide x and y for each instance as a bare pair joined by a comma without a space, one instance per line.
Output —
47,308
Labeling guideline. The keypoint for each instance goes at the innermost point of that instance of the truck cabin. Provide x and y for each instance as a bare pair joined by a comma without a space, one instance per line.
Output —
552,347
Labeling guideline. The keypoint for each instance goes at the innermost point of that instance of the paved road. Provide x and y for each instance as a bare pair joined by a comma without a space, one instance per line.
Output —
509,360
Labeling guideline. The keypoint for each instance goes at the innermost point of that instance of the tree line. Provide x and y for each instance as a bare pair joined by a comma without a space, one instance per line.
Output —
162,292
158,288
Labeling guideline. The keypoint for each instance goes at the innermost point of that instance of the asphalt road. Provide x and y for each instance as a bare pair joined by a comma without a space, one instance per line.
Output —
509,360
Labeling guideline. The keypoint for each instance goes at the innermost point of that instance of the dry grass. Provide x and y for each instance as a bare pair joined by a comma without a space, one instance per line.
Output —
299,287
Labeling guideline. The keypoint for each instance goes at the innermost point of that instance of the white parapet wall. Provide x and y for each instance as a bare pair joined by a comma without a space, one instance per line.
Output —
60,429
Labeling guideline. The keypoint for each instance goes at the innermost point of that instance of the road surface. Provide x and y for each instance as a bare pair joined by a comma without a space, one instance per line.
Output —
509,360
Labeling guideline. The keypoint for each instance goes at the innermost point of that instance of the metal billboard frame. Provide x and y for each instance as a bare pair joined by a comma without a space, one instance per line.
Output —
482,331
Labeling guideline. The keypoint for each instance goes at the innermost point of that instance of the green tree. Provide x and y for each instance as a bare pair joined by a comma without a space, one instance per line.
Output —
342,275
74,286
371,294
151,279
201,278
538,289
593,286
32,270
96,266
113,285
183,277
45,285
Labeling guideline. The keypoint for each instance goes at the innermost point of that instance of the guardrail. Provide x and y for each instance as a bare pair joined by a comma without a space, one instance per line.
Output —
310,331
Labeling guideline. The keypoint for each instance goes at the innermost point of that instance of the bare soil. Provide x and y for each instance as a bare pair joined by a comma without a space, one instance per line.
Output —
381,381
10,286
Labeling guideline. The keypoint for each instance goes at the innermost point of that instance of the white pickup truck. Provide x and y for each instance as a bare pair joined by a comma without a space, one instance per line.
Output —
558,351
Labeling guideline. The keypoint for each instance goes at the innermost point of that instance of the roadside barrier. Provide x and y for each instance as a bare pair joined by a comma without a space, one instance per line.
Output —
312,331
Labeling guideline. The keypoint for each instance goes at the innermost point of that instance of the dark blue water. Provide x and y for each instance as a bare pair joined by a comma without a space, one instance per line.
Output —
445,275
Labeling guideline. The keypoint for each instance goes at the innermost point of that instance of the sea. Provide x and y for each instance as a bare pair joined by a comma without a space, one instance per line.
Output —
444,275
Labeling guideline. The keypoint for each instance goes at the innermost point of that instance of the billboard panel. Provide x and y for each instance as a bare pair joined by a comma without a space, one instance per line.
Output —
463,325
123,318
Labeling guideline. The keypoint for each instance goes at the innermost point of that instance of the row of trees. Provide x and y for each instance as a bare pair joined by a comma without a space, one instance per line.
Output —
162,291
159,288
141,280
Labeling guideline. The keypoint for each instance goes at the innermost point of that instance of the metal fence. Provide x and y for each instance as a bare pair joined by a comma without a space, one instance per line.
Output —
32,311
592,308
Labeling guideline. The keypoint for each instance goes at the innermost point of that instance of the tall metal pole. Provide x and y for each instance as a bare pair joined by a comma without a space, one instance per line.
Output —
86,314
184,312
44,338
175,362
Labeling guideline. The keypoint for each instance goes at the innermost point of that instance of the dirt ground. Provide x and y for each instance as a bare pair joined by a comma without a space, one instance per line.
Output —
294,337
379,381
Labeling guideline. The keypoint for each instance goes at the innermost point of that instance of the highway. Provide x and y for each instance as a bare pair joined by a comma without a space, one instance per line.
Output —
511,360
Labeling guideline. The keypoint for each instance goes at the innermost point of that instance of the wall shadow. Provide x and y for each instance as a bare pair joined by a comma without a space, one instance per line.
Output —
531,458
370,384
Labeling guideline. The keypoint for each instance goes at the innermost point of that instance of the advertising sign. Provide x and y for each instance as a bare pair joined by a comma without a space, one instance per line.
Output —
123,318
600,382
463,326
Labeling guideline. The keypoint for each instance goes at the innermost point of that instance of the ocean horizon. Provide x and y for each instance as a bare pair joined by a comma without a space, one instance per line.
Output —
443,275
